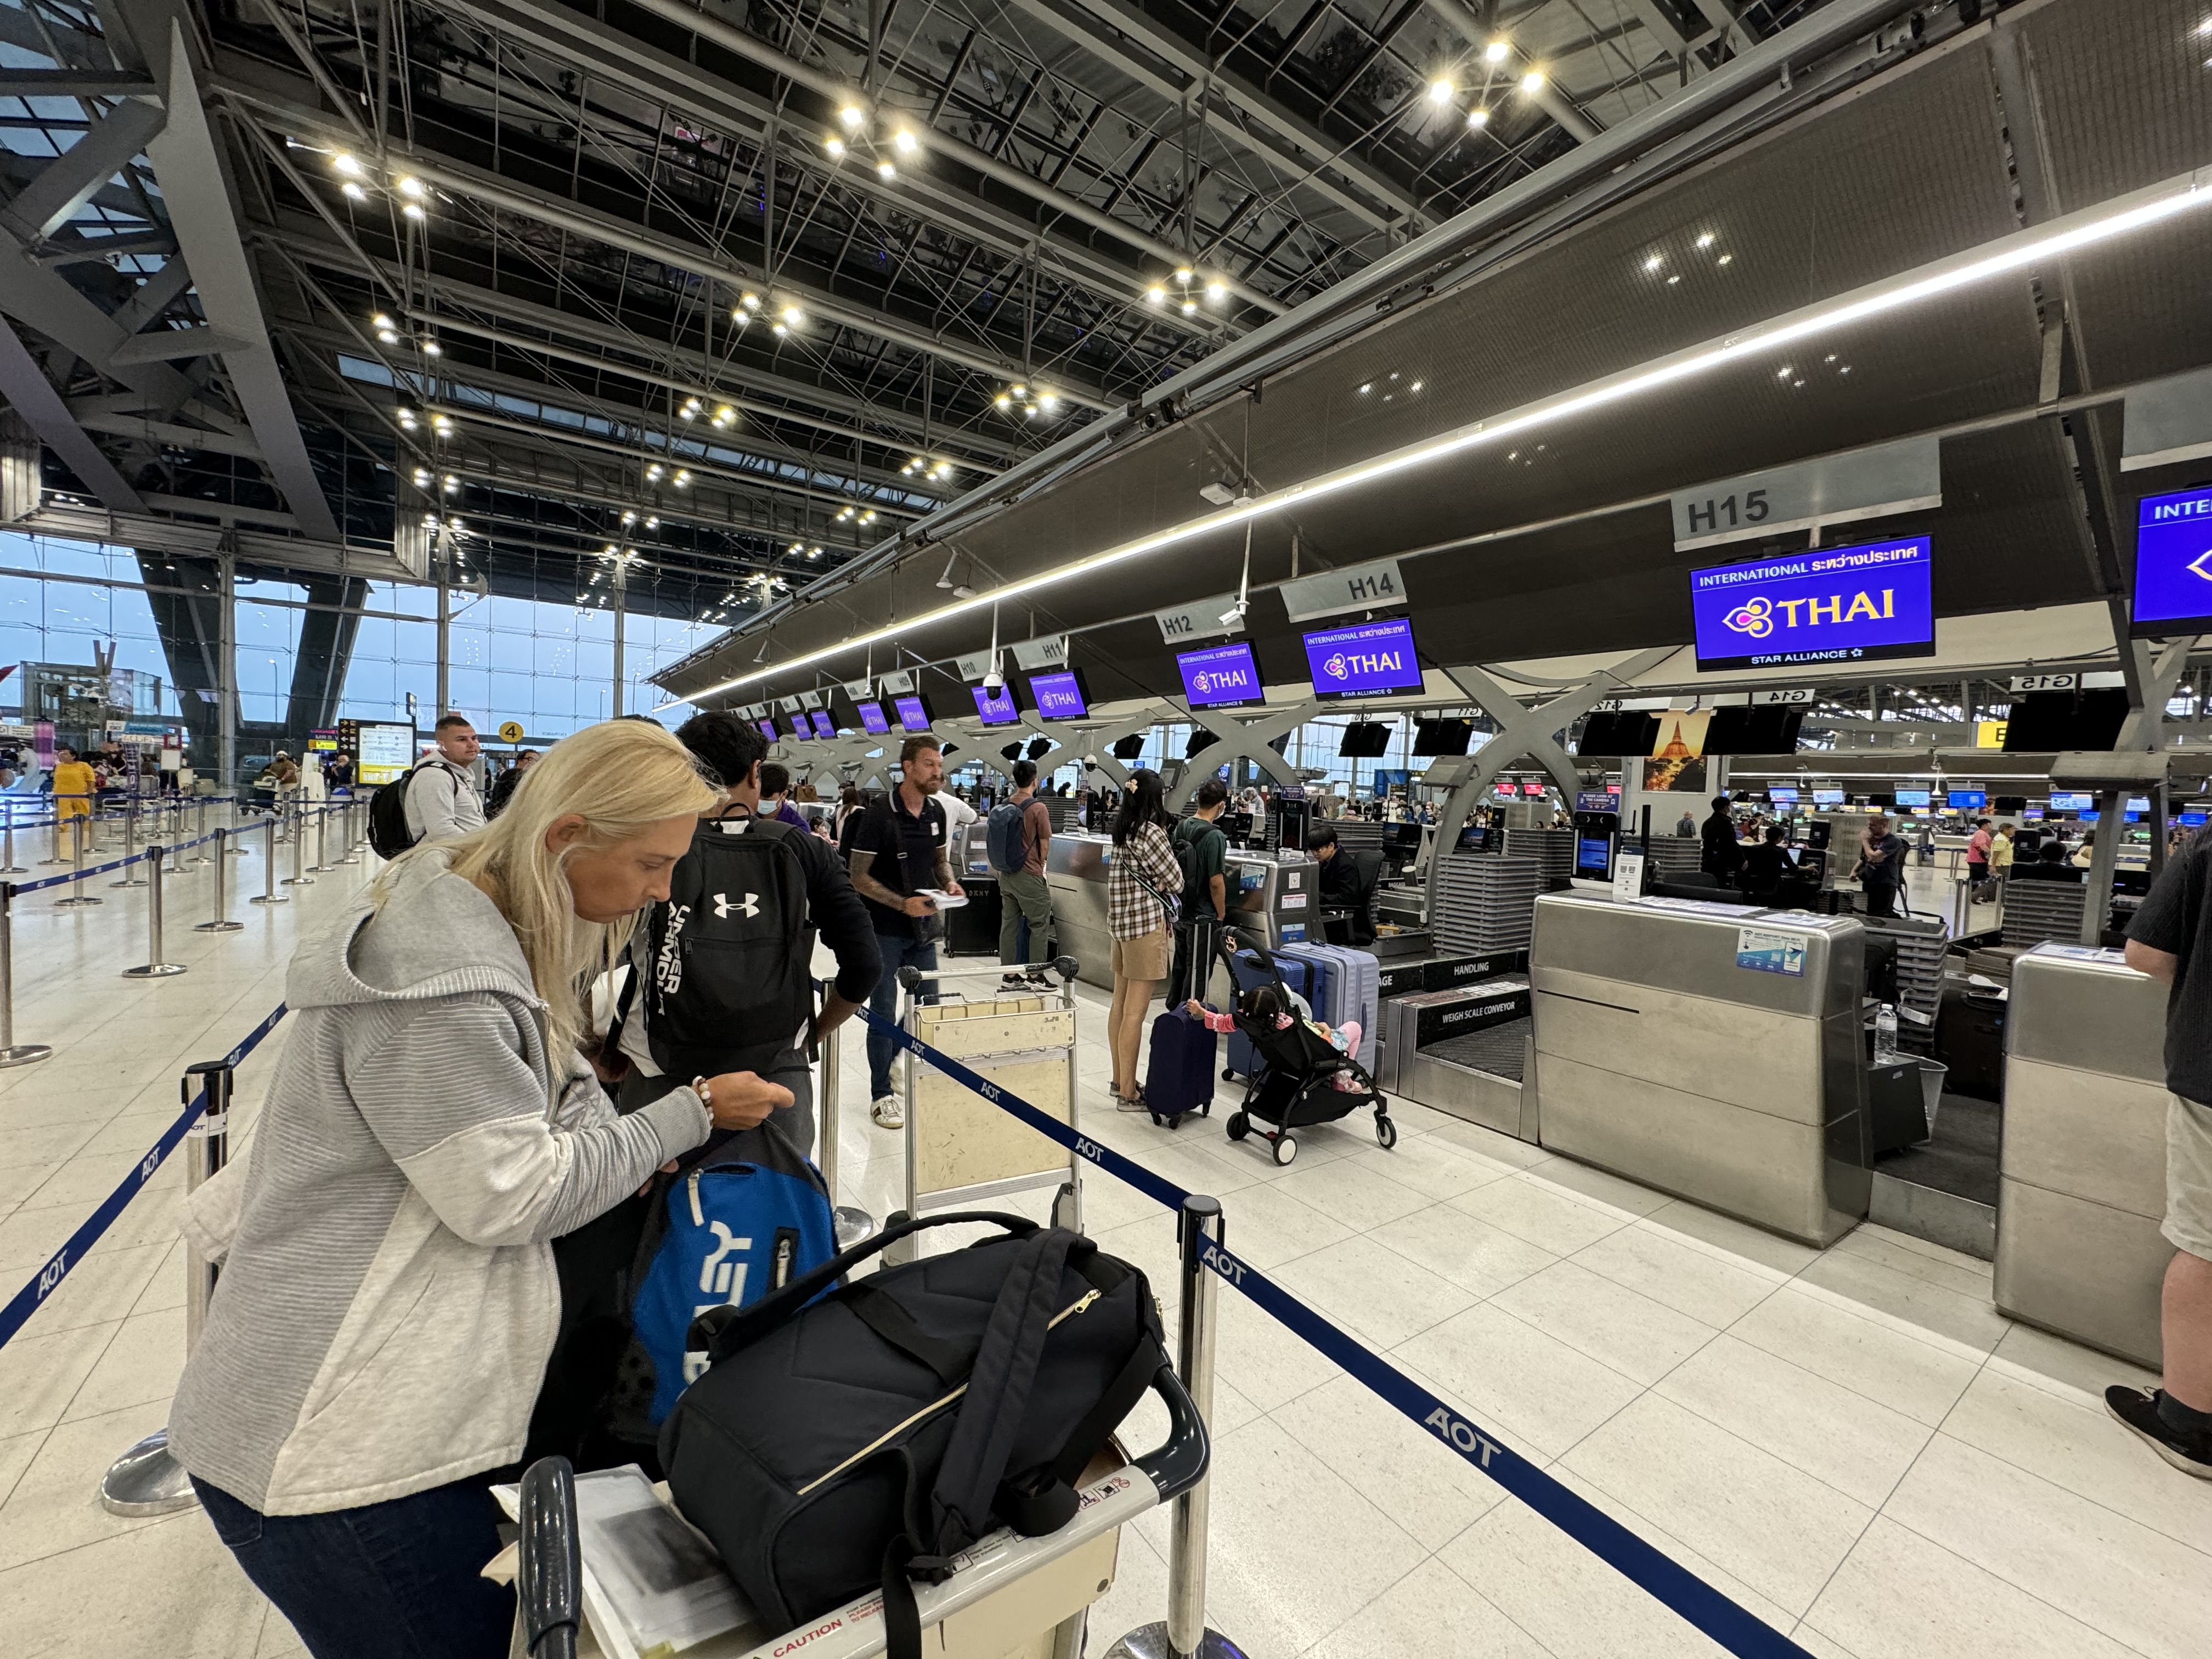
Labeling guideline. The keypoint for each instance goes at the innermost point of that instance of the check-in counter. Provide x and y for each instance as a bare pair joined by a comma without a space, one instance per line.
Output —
1075,870
1710,1050
1464,1051
2081,1175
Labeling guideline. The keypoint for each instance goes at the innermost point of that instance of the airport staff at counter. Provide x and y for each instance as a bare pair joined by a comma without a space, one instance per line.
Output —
1722,856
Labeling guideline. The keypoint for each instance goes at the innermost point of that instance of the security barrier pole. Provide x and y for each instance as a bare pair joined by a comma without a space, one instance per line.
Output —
350,832
7,859
148,1480
12,1053
156,965
54,838
221,921
130,876
77,895
1185,1635
322,864
299,877
853,1222
269,895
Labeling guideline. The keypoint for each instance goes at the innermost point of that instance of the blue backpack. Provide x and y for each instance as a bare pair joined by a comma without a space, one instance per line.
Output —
749,1218
1008,845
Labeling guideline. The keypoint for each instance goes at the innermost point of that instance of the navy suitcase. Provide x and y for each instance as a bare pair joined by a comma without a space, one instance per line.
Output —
1179,1075
1298,973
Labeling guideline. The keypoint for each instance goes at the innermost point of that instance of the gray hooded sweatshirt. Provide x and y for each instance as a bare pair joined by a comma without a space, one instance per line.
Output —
387,1301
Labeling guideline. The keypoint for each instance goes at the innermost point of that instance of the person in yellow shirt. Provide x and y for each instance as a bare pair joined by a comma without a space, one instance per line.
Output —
75,784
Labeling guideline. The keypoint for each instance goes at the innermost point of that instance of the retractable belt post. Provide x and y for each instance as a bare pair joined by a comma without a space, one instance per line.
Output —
12,1053
1184,1635
350,831
8,865
299,877
54,837
148,1480
852,1223
221,921
322,840
130,876
154,967
269,895
77,895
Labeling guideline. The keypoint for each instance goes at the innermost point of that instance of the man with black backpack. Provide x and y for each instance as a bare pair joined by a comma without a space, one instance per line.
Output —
1203,851
721,973
1020,836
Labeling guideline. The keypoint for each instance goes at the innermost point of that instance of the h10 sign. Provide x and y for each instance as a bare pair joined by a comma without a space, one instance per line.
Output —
1825,605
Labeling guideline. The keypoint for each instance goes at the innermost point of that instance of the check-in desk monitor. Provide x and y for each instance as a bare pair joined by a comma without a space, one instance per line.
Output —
1274,901
1710,1050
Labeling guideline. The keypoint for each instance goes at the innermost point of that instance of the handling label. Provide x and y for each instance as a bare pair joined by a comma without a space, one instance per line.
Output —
1766,952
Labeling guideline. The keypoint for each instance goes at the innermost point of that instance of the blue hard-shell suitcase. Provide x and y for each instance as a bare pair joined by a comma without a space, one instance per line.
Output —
1179,1074
1297,973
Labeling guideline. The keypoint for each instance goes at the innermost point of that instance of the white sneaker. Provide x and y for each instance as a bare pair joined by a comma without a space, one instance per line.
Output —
888,1113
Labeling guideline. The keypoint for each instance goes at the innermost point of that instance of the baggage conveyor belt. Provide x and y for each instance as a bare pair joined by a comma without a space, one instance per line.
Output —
1500,1050
1465,1051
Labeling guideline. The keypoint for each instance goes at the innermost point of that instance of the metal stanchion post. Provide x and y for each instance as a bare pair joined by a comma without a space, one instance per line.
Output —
12,1053
299,877
220,923
7,859
350,832
322,864
156,966
77,895
853,1222
269,895
238,850
130,876
54,839
1184,1635
148,1480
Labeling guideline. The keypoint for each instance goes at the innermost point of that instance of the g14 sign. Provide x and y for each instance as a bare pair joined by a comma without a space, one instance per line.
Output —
1219,675
2173,564
1826,605
1368,659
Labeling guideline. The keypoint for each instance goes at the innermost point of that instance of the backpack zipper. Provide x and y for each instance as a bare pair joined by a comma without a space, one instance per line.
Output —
691,1181
1079,1305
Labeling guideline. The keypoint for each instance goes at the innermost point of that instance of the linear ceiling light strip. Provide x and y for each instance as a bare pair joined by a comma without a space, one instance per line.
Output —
2018,251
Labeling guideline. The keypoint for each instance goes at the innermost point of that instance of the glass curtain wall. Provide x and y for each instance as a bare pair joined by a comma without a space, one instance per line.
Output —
46,617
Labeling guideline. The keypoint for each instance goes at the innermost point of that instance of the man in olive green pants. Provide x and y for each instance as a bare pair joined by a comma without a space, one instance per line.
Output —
1022,893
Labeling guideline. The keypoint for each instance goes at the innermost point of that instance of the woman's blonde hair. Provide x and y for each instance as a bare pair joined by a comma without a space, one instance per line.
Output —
621,777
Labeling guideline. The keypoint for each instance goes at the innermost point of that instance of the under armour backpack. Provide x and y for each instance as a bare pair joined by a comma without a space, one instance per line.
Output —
1009,846
388,834
726,980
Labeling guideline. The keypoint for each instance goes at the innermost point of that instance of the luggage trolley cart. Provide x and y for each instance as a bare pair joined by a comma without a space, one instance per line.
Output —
961,1150
1009,1597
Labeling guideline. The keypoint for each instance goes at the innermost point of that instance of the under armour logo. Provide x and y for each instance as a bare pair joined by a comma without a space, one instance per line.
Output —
749,905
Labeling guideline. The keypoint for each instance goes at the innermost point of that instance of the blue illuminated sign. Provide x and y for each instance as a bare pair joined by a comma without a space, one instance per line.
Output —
822,728
2173,564
1220,675
767,729
1913,797
1826,605
2073,803
1367,659
1967,801
997,707
1059,696
871,719
913,714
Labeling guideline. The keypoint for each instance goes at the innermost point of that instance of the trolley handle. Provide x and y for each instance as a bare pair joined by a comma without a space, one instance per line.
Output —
548,1581
1179,1462
912,977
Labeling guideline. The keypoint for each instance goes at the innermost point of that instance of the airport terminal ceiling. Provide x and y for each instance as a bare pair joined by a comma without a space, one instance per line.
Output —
1912,162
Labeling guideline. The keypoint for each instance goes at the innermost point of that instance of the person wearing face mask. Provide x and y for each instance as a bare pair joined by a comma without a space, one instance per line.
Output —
387,1300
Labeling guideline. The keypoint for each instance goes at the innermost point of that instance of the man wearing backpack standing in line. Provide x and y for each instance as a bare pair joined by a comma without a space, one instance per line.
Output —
1202,848
900,847
731,917
441,793
1020,837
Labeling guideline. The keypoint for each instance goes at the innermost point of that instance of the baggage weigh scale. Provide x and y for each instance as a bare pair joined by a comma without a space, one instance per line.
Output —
961,1151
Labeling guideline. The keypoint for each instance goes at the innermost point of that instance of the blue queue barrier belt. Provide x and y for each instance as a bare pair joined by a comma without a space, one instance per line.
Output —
91,870
1665,1580
48,1279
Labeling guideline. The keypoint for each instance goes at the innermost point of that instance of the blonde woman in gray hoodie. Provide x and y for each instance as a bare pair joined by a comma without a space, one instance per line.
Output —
387,1299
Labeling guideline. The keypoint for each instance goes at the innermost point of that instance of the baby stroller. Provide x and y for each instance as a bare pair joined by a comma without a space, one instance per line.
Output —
1293,1081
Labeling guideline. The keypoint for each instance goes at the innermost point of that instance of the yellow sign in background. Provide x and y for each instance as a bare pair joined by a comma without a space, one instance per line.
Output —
1990,734
511,732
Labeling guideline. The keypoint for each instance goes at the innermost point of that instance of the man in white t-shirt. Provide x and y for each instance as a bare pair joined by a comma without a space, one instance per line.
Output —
442,801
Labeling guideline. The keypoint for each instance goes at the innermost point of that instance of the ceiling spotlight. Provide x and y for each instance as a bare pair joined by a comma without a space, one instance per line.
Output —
813,552
905,143
844,515
653,522
430,349
868,517
885,170
384,336
1001,400
352,191
749,300
1440,92
1706,239
781,330
411,188
683,477
346,164
1654,262
1156,296
835,145
380,320
1497,50
1726,258
629,518
1183,274
1785,373
412,209
963,592
852,116
1047,401
406,417
654,472
440,424
1478,118
1532,81
451,484
1189,307
1216,291
942,469
724,418
1674,279
793,316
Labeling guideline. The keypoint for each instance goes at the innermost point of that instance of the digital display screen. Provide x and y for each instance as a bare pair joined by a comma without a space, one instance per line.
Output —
1367,659
822,728
767,729
1593,856
798,723
2191,820
871,718
2081,803
2033,814
1827,798
1597,800
1221,675
387,750
2138,804
2173,564
1915,797
997,707
1059,696
1782,797
913,714
1967,801
1826,605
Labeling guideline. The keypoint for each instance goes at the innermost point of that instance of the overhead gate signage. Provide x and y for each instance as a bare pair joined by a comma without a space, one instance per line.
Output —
1905,477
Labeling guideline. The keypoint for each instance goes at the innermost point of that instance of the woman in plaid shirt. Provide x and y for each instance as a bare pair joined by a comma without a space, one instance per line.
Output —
1144,869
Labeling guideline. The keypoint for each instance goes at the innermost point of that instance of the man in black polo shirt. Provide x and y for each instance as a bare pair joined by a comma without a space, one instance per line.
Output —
2171,939
899,851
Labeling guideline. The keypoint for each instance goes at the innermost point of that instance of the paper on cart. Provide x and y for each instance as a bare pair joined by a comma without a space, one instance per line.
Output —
659,1584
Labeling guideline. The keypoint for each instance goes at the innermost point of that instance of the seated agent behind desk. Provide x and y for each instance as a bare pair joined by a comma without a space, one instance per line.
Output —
1768,865
1339,882
387,1302
2049,864
743,969
899,850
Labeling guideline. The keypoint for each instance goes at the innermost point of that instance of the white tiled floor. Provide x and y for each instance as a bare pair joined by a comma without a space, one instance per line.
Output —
1851,1443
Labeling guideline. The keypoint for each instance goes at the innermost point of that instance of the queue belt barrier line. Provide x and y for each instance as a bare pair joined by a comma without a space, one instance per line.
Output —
1665,1580
49,1278
91,870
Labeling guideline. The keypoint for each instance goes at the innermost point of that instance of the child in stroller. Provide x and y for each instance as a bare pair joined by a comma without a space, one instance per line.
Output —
1304,1071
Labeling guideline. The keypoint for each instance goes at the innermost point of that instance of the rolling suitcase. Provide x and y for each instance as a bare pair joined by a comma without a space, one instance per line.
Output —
1179,1073
1297,973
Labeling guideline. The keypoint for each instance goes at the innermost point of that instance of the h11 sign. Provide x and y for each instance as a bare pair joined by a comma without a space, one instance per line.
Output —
2173,565
1825,605
1367,659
